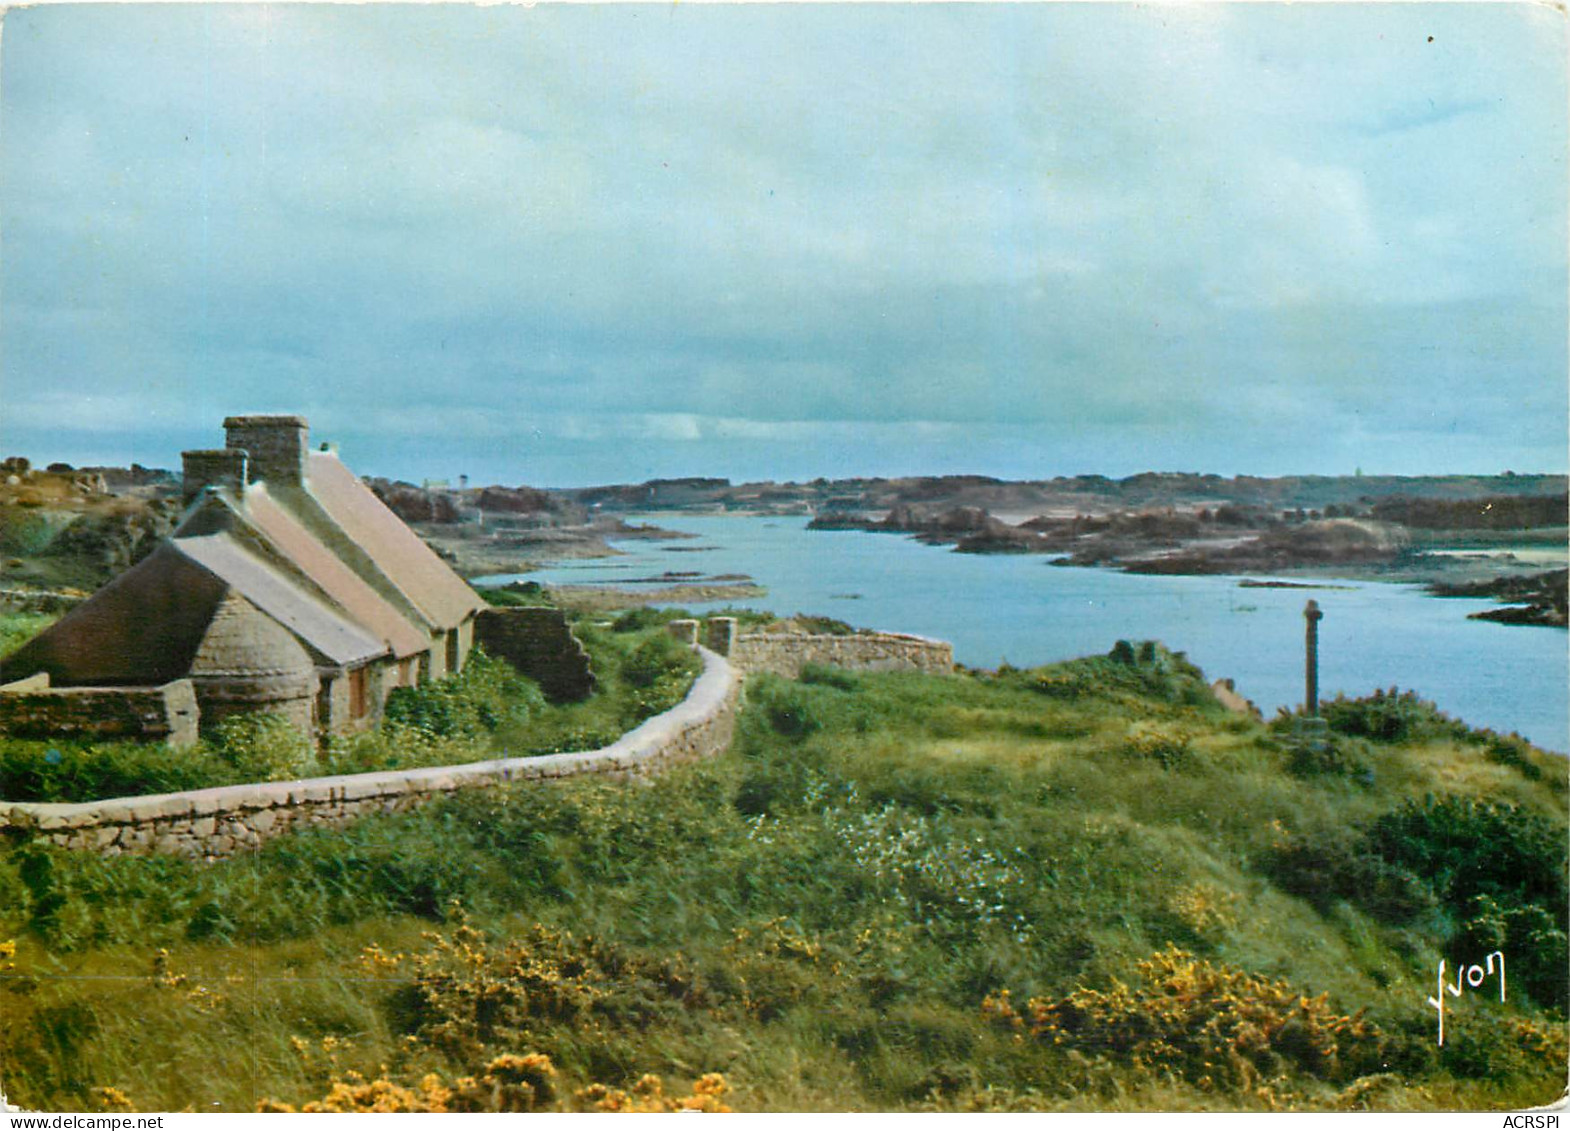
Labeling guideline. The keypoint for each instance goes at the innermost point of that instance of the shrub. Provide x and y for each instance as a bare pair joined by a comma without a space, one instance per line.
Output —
656,658
636,620
1495,869
77,771
1533,940
1466,847
485,695
1148,673
822,626
792,712
1390,716
1331,756
1338,866
826,675
1512,750
264,747
1215,1026
1170,746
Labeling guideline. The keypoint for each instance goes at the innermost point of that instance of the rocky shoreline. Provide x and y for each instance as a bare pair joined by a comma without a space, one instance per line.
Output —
1538,599
1231,539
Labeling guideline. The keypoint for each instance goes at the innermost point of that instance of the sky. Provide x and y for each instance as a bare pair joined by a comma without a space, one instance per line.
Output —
575,244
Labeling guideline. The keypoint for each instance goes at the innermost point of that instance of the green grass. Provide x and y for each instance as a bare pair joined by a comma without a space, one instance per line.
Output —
485,711
824,914
17,629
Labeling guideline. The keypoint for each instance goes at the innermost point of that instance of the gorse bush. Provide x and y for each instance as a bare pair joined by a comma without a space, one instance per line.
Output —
1149,672
1390,716
1497,872
820,914
1169,746
1216,1026
485,695
467,996
507,1084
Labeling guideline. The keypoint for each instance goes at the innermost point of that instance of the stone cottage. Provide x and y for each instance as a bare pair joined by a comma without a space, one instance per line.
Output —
287,587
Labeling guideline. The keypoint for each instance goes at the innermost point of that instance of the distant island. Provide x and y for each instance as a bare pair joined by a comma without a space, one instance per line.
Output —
65,529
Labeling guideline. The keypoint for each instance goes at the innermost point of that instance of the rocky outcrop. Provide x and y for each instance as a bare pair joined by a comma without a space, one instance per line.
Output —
1538,599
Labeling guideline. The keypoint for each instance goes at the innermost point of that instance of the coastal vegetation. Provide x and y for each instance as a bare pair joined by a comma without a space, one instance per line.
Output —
486,711
1080,886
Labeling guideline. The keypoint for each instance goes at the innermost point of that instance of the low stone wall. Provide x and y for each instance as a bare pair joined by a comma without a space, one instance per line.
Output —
540,644
30,708
786,655
213,823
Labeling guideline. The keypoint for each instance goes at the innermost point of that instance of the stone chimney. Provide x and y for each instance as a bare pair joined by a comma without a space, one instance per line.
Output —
223,467
276,445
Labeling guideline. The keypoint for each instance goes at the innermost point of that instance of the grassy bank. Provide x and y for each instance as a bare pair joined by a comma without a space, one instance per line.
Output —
486,711
1081,886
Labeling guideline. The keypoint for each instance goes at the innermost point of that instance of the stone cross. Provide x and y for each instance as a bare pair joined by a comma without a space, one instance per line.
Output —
1313,616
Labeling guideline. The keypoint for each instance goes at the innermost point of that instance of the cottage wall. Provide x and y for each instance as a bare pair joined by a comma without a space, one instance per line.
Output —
290,695
215,823
540,644
32,709
335,704
436,658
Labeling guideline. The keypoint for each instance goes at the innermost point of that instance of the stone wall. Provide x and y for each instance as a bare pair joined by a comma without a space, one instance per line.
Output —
786,654
539,643
30,708
213,823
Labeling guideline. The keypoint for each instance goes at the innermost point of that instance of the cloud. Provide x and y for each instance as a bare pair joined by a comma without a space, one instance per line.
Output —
717,225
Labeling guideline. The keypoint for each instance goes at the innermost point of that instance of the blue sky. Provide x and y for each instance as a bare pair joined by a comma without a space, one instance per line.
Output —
576,244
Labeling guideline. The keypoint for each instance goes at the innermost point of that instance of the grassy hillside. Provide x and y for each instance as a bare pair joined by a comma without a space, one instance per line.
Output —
1080,886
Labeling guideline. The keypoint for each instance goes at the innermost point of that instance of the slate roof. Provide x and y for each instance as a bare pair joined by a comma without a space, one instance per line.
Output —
141,629
292,541
325,560
334,637
427,581
147,626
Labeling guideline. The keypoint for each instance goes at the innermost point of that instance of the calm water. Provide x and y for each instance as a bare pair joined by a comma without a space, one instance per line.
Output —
1020,609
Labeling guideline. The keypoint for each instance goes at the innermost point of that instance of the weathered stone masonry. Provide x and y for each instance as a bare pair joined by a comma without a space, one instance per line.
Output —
211,824
31,708
787,654
214,823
